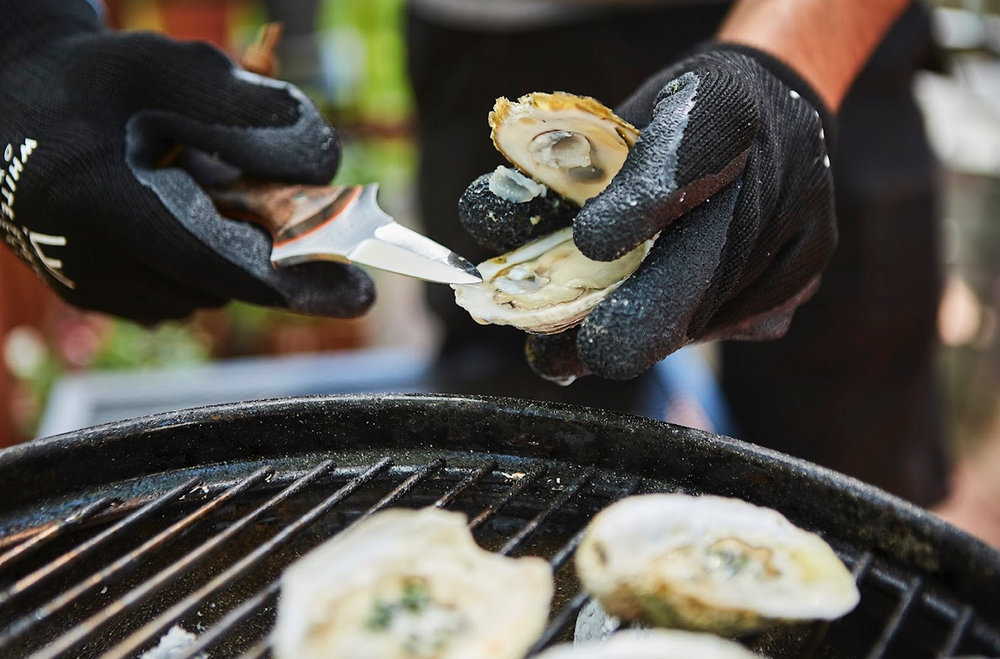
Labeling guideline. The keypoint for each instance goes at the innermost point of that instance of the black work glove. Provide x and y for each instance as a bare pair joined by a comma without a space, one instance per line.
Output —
732,170
87,115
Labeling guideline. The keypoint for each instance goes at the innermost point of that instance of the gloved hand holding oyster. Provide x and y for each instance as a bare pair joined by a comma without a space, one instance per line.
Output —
714,223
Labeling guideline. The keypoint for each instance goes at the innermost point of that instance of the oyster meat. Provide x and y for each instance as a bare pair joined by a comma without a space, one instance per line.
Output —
710,563
654,644
546,286
570,147
408,584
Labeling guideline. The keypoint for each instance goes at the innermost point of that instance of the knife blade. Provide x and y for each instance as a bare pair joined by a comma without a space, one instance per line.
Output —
339,223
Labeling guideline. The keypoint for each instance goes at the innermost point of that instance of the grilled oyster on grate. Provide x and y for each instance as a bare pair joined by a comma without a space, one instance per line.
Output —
710,563
408,584
573,146
654,644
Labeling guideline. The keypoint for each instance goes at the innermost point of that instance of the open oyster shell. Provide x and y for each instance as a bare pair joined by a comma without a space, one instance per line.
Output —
546,286
654,644
710,563
414,585
572,145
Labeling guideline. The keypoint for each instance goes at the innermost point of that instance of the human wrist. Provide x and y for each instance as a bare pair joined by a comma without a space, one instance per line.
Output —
828,43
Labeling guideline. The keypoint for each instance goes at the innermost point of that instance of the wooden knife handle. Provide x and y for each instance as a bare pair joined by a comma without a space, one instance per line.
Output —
286,211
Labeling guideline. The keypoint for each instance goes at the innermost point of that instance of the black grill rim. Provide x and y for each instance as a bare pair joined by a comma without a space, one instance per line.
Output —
80,462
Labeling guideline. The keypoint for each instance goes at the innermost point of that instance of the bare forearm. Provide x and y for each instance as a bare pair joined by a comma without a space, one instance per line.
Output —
826,41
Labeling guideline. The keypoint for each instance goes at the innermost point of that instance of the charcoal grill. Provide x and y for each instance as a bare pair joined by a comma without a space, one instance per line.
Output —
109,536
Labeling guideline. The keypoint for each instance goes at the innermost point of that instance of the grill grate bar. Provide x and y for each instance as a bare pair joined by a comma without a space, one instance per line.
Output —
895,621
261,599
465,484
42,538
231,620
135,597
859,569
124,564
78,553
403,488
519,486
158,625
563,620
566,551
957,632
543,517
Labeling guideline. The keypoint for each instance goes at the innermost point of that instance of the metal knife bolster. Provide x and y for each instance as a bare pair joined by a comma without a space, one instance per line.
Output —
286,211
346,224
357,217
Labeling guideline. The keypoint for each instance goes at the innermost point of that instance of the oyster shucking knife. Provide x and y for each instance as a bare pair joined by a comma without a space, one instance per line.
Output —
340,223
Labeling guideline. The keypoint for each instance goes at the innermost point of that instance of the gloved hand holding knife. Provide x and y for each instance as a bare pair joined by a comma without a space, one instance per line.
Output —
732,169
87,115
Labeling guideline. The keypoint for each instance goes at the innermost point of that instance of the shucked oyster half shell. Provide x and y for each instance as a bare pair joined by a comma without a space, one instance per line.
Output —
408,584
654,644
710,563
546,286
574,146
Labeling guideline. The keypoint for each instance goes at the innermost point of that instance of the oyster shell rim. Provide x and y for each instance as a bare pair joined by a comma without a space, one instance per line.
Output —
625,595
504,110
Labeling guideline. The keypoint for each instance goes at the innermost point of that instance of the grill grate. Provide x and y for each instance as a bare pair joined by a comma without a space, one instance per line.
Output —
208,553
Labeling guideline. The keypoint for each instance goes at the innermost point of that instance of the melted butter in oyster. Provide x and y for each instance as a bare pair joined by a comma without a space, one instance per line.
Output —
545,286
410,584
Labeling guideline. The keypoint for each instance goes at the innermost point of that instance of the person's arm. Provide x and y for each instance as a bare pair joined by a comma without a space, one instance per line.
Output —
826,42
732,177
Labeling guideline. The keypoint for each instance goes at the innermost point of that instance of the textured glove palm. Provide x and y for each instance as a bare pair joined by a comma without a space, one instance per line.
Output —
732,171
88,114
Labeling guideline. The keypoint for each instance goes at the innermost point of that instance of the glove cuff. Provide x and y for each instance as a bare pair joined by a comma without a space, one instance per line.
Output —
786,74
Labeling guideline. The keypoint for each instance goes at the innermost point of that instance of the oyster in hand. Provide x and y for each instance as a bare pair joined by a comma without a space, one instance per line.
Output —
710,563
567,148
408,584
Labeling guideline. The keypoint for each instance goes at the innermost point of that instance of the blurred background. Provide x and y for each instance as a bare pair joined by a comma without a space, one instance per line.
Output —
63,369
